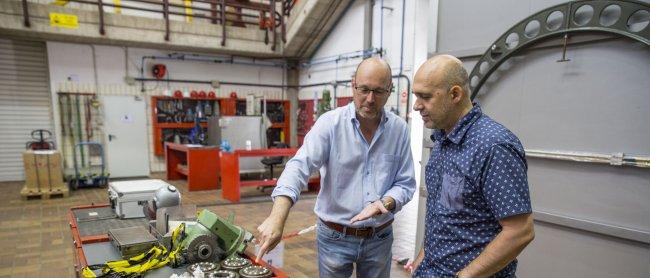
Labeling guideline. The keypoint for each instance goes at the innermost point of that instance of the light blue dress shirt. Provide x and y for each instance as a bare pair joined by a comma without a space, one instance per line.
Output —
354,172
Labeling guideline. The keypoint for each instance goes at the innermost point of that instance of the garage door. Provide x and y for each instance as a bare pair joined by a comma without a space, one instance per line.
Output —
25,102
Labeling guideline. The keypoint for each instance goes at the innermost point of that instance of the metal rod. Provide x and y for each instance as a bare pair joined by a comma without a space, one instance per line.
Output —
223,22
283,28
166,16
564,45
617,159
101,17
26,14
273,31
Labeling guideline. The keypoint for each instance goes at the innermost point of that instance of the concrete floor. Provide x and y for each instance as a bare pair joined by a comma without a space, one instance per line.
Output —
35,235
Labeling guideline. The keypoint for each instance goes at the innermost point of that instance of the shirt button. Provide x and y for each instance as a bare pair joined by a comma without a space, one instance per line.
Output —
367,193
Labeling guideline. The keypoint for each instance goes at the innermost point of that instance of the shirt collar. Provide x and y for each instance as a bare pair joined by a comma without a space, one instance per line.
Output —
353,114
456,135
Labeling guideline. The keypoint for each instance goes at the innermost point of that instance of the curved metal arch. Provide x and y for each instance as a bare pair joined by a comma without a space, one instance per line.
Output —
501,50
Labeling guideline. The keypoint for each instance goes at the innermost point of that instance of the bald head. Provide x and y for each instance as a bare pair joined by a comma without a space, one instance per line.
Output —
442,92
376,65
444,71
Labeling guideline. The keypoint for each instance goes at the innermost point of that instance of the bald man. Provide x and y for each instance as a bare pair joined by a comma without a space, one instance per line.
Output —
478,215
366,167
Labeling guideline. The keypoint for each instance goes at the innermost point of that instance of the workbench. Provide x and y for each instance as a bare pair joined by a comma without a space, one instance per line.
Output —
89,227
198,163
230,179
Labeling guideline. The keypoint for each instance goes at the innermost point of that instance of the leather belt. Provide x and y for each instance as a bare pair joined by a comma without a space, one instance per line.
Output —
364,232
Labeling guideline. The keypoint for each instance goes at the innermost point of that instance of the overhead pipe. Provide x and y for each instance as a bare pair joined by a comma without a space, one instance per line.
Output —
401,61
344,56
201,58
616,159
332,83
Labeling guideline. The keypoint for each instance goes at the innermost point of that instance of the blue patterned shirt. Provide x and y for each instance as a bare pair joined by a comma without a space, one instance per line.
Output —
354,172
476,175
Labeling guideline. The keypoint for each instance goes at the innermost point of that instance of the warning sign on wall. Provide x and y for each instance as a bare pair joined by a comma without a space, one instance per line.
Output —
64,20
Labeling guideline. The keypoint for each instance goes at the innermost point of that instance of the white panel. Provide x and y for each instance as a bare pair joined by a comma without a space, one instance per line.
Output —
24,101
126,131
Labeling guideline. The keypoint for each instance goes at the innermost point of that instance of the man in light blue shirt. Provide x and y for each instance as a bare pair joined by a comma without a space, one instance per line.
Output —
364,157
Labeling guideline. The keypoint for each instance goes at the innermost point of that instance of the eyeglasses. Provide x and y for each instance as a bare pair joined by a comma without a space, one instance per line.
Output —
364,91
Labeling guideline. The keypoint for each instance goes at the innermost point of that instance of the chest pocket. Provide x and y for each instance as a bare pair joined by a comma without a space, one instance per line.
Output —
451,196
385,168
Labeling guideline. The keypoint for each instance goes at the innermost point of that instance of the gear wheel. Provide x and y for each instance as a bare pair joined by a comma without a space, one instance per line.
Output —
203,248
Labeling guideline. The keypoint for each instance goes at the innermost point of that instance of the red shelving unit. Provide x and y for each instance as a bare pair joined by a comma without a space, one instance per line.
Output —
227,107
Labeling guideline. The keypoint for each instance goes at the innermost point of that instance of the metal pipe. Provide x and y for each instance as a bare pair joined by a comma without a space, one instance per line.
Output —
26,14
381,29
273,31
166,16
336,58
401,60
616,159
101,17
223,22
345,81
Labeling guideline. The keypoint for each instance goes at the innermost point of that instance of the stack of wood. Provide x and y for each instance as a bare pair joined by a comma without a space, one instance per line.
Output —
43,175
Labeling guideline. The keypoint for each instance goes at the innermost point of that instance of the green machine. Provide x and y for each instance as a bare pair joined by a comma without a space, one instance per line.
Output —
213,239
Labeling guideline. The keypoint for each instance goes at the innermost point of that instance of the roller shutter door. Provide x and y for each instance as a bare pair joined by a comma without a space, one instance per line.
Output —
25,101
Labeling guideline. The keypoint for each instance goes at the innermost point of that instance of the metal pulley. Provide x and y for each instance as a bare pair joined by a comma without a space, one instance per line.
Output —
235,263
255,271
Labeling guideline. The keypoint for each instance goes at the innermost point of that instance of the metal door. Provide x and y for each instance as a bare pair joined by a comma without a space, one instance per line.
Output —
126,136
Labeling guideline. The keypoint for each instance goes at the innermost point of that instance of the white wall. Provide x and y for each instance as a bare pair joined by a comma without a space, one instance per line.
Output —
71,69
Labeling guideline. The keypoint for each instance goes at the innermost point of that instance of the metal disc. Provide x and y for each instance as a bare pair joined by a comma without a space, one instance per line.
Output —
223,273
204,266
235,263
255,271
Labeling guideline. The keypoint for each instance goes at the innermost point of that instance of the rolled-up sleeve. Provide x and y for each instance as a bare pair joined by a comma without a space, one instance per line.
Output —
404,182
309,158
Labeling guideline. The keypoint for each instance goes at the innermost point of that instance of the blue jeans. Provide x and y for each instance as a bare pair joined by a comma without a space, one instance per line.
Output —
337,252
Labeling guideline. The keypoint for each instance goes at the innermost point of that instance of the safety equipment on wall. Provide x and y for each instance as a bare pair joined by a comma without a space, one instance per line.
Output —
178,94
159,71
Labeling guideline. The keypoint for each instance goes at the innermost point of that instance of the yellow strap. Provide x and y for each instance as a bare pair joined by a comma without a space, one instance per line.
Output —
86,272
154,260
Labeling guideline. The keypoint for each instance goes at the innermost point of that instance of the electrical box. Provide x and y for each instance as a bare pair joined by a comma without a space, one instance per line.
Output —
128,197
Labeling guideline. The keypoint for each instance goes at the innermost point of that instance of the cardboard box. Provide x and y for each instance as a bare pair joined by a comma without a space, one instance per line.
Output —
43,170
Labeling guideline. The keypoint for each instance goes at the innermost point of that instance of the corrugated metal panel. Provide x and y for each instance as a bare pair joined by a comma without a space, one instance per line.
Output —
25,102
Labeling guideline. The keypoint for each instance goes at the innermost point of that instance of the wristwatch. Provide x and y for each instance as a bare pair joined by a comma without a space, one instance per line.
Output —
387,203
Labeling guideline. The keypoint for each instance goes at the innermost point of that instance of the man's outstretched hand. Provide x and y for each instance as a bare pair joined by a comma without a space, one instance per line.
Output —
374,208
270,234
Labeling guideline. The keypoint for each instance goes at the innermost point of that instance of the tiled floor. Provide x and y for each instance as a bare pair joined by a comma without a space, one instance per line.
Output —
35,236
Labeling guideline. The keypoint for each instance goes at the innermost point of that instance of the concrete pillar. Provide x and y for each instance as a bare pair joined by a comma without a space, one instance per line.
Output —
293,79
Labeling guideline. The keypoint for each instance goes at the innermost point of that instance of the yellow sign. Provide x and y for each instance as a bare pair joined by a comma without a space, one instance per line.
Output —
64,20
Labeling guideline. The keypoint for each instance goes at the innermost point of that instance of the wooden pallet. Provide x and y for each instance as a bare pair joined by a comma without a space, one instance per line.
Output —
58,192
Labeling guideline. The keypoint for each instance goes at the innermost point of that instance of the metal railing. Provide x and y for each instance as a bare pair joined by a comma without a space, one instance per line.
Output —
268,15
